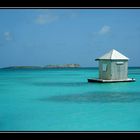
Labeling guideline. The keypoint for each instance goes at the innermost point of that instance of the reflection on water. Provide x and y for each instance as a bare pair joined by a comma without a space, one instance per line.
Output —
119,97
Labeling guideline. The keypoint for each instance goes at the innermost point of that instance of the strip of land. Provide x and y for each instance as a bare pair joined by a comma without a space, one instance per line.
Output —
44,67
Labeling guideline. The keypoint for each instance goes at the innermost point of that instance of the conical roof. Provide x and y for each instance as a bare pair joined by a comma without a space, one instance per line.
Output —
113,55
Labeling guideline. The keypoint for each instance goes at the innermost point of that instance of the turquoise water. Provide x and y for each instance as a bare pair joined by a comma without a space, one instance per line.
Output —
63,100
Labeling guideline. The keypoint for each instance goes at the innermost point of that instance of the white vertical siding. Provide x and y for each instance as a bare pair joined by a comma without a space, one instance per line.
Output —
119,71
116,69
106,75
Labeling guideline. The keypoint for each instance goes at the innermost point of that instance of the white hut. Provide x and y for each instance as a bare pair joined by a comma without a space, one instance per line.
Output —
113,67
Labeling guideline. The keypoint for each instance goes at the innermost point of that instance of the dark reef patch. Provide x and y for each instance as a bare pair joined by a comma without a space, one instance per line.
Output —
110,97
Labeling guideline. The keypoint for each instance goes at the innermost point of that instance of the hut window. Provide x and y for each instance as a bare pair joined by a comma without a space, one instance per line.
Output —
104,67
119,63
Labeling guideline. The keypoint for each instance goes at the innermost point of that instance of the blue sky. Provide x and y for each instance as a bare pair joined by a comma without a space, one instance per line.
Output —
60,36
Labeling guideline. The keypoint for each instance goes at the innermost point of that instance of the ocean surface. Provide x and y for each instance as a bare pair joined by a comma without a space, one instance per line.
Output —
63,100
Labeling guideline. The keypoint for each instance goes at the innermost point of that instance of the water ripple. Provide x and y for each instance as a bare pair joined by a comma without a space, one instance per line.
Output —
60,84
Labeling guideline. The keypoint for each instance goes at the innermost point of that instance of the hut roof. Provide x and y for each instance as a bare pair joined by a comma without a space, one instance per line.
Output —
113,55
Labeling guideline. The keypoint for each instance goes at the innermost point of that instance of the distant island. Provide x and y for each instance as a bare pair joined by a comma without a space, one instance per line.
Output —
64,66
44,67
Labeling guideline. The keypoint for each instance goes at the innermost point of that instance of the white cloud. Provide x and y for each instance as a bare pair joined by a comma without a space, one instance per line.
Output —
46,18
104,30
8,36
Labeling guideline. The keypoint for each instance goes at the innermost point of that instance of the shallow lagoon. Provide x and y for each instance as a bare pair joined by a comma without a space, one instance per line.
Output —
63,100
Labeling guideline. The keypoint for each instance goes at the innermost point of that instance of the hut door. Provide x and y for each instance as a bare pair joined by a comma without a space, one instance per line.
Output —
120,69
118,72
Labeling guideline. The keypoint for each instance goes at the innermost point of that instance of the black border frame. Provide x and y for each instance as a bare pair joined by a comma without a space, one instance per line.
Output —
65,4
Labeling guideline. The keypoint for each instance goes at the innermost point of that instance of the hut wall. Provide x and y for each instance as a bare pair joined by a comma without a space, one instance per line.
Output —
119,70
105,69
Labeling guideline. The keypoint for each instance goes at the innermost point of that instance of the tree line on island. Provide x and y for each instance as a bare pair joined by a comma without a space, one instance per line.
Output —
44,67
